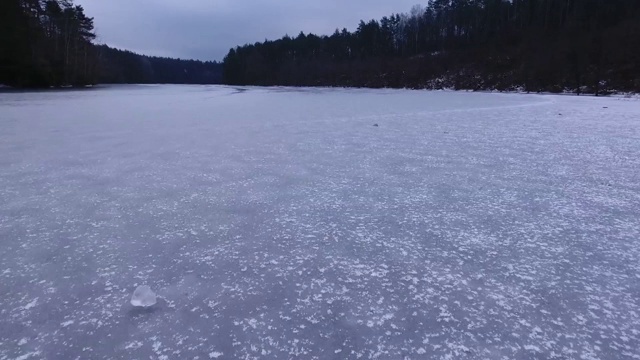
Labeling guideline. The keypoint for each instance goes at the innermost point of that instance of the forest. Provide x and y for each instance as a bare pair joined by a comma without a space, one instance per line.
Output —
50,43
125,67
582,46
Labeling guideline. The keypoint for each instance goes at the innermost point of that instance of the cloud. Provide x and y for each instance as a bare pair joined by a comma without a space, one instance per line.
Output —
207,29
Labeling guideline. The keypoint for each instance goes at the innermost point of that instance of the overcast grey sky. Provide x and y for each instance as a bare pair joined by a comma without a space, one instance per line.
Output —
207,29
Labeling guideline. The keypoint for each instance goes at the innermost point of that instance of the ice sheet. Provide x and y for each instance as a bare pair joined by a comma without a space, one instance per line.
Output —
280,223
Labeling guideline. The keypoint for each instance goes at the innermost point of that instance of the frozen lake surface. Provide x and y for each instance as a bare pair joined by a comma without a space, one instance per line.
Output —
281,224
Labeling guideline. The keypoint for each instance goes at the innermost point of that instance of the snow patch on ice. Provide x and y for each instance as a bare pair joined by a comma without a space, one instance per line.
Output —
31,304
67,323
28,355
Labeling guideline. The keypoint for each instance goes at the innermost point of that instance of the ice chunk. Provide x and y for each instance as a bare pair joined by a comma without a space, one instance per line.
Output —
143,296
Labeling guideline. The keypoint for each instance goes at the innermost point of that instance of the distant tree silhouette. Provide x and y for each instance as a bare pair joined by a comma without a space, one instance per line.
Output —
588,46
50,43
125,67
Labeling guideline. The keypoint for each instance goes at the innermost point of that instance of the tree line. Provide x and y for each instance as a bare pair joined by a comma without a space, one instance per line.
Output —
46,43
125,67
590,46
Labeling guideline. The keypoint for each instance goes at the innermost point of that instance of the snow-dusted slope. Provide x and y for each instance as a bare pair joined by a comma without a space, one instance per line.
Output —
280,223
